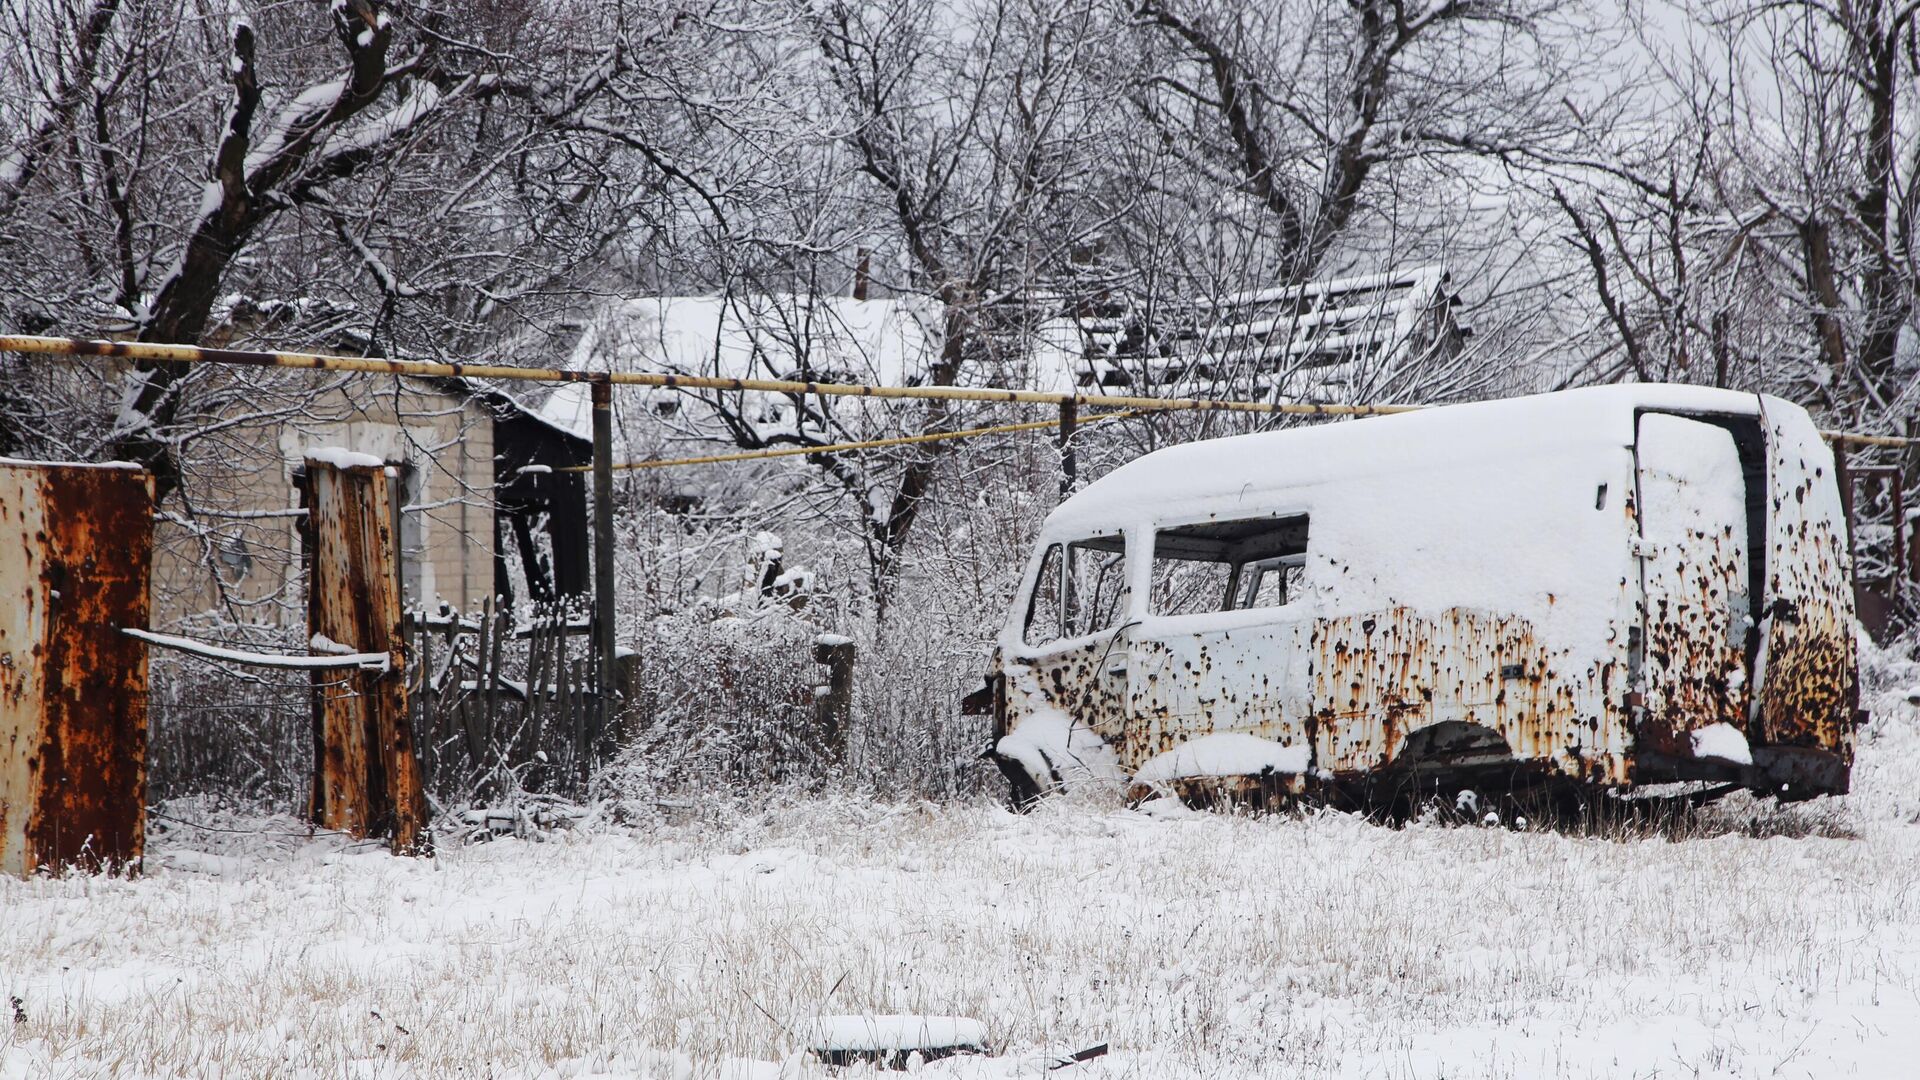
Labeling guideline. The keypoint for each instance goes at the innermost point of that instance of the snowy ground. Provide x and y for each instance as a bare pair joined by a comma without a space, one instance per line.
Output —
1196,945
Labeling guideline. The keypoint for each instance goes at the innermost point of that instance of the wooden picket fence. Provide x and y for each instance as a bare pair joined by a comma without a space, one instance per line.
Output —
500,705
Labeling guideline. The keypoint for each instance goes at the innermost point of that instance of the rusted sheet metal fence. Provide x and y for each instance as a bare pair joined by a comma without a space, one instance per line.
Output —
367,778
73,689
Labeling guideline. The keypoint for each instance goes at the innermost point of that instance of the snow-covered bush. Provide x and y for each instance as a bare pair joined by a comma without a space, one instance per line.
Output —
721,704
244,735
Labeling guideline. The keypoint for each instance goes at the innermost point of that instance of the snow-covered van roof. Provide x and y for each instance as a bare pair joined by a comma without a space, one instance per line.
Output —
1212,476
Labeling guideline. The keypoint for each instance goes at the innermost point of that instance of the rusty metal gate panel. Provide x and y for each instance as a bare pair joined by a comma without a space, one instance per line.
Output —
367,779
75,555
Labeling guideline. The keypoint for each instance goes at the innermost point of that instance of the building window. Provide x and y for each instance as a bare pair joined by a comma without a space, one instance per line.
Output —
411,494
236,561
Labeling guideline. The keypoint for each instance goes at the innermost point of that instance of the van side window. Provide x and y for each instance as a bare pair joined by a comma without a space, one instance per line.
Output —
1228,565
1079,589
1271,582
1044,616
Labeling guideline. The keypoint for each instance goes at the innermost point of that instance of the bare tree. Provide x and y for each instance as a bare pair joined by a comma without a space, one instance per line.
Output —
957,147
1750,220
1312,110
440,179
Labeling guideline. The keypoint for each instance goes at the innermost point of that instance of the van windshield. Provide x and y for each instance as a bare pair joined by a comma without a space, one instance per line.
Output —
1079,589
1228,565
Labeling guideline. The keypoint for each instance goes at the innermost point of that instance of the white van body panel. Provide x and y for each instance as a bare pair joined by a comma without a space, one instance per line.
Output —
1474,590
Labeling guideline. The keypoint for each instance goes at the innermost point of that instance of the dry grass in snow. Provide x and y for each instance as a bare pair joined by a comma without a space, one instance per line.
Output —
1197,945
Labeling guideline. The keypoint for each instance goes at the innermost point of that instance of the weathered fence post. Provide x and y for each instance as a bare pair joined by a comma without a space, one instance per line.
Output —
76,544
603,614
833,710
1069,464
367,779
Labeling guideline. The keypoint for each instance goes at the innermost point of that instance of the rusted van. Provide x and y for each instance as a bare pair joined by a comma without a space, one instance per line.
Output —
1612,587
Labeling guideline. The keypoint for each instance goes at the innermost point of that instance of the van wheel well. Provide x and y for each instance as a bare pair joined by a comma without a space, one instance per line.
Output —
1452,744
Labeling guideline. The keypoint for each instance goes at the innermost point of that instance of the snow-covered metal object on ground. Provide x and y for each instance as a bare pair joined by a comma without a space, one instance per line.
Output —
843,1040
1561,587
73,687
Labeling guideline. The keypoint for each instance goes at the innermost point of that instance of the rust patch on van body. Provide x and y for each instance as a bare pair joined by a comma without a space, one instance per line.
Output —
1379,679
1808,684
1373,693
1687,639
1076,681
1354,689
1243,681
1812,685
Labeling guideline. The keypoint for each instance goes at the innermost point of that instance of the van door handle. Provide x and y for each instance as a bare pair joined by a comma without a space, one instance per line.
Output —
1117,666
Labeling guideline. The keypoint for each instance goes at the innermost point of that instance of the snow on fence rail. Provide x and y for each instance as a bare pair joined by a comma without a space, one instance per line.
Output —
366,661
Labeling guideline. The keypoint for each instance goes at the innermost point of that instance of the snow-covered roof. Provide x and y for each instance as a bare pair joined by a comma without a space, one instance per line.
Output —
1199,477
1303,342
769,336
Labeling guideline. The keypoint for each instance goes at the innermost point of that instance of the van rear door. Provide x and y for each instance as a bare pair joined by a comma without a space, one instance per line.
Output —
1693,555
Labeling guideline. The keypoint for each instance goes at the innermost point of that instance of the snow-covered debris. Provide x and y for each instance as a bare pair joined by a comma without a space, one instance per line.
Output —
1221,755
1723,741
884,1034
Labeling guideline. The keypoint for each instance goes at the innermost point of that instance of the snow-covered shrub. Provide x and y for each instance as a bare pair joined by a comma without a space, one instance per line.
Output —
244,734
721,703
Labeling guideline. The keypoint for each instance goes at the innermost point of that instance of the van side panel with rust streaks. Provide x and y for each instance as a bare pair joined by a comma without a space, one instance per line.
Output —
1808,682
